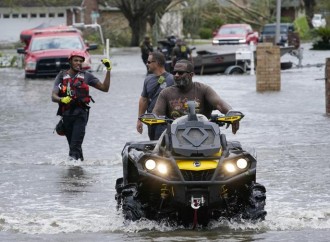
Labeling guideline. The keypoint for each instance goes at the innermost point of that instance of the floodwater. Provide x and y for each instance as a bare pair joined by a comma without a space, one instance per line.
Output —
46,198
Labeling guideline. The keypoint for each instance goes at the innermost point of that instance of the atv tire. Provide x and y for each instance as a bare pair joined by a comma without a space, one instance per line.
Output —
255,209
132,207
119,187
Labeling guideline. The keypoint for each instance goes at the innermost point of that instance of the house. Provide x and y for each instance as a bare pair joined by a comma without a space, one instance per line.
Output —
292,9
31,14
21,15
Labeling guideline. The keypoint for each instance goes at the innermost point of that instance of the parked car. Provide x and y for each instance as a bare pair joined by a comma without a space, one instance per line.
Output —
288,36
47,50
235,34
318,21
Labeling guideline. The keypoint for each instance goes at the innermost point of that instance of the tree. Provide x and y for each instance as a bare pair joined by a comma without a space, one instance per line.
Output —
323,6
140,13
256,13
201,16
309,9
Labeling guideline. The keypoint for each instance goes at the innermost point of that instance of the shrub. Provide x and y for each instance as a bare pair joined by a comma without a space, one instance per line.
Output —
302,28
323,39
205,33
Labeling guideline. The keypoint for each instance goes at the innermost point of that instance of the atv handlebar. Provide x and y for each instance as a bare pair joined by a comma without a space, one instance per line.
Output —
229,118
221,120
153,119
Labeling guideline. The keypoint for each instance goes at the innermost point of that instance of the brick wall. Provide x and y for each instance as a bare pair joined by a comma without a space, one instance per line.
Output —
90,5
268,70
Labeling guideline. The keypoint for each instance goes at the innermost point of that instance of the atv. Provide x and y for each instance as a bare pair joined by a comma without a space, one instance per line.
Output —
191,175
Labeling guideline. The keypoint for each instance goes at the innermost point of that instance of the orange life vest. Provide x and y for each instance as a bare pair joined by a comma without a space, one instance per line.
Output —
77,89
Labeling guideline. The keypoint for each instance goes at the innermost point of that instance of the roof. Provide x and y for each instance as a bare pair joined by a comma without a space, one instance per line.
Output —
39,3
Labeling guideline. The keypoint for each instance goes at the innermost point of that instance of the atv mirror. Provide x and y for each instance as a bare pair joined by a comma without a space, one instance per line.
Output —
151,119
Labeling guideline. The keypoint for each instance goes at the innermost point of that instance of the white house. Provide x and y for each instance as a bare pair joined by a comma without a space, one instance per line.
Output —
16,20
30,15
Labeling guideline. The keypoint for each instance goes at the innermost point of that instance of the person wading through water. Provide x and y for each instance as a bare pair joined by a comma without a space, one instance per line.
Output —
71,92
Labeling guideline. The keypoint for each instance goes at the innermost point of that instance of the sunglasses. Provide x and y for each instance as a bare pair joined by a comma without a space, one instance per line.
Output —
180,73
149,62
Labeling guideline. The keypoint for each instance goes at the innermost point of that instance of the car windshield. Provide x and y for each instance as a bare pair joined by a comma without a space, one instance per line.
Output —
317,17
232,30
271,29
65,42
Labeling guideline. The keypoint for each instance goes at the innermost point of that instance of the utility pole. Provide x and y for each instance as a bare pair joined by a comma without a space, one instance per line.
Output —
278,21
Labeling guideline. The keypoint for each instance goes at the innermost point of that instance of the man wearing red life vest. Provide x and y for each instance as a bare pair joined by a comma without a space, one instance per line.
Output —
71,92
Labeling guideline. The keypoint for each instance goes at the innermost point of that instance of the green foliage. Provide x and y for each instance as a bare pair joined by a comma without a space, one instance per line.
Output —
92,36
200,16
302,28
205,33
213,23
141,13
324,33
323,41
119,39
285,20
256,13
13,61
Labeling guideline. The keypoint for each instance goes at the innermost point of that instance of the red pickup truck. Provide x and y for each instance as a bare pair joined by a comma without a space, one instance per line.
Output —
235,34
46,50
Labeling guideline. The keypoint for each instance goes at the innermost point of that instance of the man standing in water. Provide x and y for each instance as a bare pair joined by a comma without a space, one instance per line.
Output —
153,84
146,48
71,92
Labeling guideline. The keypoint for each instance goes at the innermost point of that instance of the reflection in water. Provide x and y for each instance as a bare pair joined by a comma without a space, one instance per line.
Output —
74,180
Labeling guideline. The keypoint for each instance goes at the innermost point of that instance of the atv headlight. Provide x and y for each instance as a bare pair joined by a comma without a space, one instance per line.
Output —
241,163
230,167
150,164
162,168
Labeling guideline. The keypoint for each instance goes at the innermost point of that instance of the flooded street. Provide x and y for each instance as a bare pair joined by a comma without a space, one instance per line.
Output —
45,198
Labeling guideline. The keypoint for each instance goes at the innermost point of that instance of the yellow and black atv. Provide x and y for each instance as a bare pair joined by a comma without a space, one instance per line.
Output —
191,175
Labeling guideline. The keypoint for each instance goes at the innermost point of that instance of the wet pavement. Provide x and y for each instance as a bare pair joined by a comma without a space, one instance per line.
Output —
46,198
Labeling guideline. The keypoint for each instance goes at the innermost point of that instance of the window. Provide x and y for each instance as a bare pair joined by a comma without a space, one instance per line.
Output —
24,15
42,15
51,15
33,15
46,43
15,15
6,15
60,15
